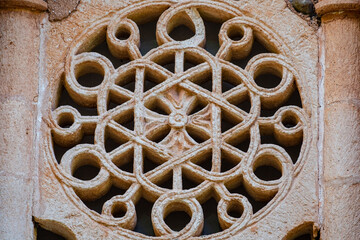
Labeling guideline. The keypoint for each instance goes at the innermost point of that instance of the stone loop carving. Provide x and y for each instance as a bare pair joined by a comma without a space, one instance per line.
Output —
179,137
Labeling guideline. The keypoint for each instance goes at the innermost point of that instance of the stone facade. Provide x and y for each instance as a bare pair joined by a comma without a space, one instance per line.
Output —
179,120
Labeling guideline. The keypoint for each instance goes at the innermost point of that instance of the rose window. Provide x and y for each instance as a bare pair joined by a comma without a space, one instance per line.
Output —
175,129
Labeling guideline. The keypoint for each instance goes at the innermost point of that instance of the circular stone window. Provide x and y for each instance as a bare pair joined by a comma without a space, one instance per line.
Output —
178,112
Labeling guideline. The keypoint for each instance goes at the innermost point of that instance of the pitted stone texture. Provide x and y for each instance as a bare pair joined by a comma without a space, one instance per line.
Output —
341,119
19,74
187,137
59,10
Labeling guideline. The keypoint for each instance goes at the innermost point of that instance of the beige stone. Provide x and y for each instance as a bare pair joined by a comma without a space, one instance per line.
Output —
342,202
178,94
16,207
180,121
341,117
19,65
341,24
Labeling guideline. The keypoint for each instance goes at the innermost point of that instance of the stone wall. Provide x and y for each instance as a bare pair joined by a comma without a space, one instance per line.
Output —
277,122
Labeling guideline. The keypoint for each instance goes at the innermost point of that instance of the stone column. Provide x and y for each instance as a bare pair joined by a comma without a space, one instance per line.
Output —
20,22
340,43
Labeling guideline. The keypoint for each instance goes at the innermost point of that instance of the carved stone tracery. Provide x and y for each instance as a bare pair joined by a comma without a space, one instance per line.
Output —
177,121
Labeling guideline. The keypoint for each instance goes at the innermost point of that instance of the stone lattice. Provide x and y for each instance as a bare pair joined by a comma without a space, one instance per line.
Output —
182,117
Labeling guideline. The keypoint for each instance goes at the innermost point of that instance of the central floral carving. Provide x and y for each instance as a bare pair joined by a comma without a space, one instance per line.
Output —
177,120
179,104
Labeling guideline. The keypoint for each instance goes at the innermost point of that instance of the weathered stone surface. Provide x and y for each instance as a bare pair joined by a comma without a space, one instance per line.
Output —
279,30
59,10
324,7
303,6
296,206
340,152
341,216
18,120
16,207
19,64
38,5
342,201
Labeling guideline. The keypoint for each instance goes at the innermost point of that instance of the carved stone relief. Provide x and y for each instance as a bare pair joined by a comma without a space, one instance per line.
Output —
181,123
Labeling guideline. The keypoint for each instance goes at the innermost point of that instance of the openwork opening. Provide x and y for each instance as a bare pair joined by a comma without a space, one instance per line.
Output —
183,123
305,231
43,234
